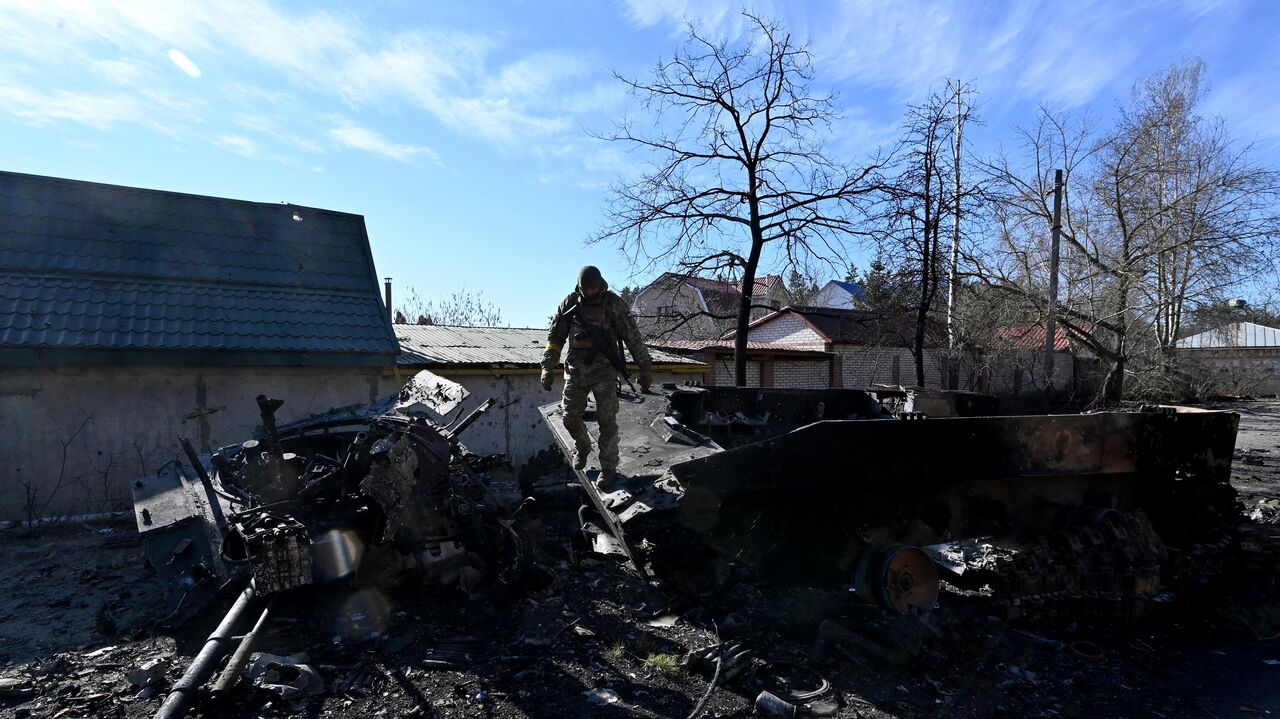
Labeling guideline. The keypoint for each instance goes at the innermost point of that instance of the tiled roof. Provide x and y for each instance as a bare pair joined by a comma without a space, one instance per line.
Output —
862,327
1236,334
721,296
1030,337
86,266
433,345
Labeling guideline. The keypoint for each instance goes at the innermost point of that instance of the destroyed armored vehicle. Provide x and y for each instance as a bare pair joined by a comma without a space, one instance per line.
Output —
372,495
1098,512
381,489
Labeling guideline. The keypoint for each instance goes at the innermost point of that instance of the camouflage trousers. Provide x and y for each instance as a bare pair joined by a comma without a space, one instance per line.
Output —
600,379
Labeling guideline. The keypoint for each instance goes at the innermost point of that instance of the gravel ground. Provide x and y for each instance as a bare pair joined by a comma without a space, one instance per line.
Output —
589,639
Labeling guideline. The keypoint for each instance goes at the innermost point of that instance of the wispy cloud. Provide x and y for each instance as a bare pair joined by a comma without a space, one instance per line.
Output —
271,128
1062,53
94,109
121,72
324,56
184,63
350,135
723,18
238,144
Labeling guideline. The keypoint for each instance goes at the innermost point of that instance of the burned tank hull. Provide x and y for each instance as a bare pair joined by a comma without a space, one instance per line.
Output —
800,486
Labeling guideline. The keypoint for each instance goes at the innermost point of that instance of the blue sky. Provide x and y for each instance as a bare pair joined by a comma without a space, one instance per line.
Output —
460,129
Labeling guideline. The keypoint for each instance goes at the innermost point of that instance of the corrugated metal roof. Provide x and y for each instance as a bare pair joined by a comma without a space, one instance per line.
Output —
87,266
1236,334
853,288
429,345
699,345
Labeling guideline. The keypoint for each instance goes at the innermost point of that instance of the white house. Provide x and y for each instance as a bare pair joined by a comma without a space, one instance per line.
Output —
838,294
1238,358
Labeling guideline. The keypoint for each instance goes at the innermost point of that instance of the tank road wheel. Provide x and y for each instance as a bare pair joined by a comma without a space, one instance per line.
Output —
899,578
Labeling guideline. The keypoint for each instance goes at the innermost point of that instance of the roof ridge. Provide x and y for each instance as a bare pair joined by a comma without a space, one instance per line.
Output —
173,193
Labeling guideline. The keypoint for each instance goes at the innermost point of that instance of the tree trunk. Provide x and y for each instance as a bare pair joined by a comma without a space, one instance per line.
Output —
1113,385
748,285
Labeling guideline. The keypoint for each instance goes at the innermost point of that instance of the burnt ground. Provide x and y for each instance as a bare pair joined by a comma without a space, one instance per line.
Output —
80,611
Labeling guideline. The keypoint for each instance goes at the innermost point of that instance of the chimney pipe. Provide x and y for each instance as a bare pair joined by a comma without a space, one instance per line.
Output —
391,315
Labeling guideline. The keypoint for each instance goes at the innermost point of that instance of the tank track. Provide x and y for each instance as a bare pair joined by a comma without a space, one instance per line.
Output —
1112,568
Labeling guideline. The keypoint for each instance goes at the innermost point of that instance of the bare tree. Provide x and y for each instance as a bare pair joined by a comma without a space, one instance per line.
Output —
736,164
1160,213
463,308
1211,209
925,197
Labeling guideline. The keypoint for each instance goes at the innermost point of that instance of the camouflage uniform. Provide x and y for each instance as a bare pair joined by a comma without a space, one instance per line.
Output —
588,370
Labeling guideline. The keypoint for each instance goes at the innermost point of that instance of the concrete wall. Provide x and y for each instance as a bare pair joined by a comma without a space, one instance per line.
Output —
513,426
1020,373
1238,371
119,423
73,438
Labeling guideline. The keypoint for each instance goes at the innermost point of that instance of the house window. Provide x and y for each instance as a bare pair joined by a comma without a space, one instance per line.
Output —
668,311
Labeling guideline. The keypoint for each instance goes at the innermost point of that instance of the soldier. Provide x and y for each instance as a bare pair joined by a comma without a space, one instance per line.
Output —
596,323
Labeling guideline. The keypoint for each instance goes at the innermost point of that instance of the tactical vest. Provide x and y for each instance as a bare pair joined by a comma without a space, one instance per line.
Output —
596,314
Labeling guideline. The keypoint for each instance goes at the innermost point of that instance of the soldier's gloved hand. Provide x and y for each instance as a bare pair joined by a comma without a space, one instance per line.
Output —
546,379
646,379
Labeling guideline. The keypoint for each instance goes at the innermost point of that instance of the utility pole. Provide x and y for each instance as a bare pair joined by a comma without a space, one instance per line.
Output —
1049,330
952,340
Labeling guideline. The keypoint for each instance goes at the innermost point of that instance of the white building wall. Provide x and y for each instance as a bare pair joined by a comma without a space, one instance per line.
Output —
76,436
724,372
1239,371
1004,371
796,373
833,295
513,426
120,423
788,329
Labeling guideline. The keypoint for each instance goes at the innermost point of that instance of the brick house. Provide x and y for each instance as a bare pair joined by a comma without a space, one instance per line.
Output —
818,347
1012,362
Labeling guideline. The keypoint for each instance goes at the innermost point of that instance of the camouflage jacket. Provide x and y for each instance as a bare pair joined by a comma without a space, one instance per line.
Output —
606,312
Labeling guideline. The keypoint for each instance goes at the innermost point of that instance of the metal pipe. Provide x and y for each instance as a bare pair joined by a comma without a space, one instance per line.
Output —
240,657
267,408
466,421
209,492
206,662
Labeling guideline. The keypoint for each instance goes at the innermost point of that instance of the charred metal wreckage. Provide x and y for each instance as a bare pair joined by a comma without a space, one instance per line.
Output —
1097,513
372,494
1053,515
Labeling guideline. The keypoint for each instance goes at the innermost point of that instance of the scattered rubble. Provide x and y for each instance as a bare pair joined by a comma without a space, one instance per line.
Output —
578,633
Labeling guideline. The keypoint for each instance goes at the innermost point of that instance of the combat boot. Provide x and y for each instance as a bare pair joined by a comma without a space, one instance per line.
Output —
607,477
581,455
